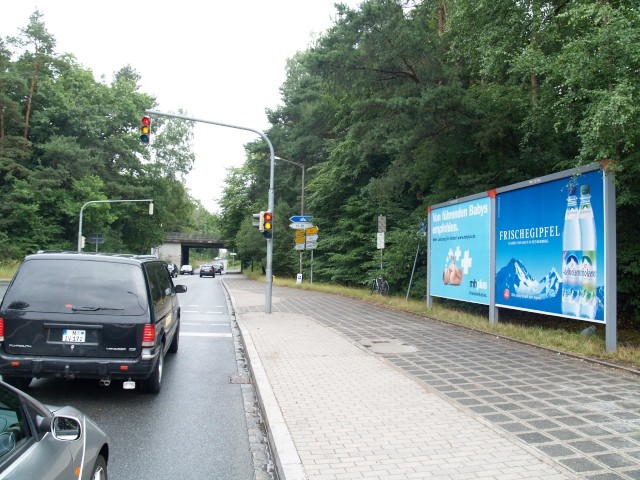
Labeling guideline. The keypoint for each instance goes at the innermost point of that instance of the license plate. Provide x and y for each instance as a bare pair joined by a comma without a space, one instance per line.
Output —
74,336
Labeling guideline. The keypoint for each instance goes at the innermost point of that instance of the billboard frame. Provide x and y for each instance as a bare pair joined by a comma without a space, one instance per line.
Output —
609,236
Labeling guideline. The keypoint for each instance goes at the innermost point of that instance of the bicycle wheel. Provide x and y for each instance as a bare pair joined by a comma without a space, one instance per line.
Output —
384,287
374,286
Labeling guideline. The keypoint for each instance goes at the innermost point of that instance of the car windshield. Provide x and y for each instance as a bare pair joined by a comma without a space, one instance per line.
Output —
73,285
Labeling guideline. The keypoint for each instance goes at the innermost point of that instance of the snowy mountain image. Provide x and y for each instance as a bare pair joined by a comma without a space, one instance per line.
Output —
515,278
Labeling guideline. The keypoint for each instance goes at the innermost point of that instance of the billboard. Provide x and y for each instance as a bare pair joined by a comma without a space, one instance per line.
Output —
550,247
459,250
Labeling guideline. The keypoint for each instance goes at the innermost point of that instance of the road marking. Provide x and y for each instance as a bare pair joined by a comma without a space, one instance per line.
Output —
208,311
204,322
194,334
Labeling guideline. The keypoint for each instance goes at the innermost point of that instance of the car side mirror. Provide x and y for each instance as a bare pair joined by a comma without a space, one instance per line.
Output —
181,288
66,428
62,428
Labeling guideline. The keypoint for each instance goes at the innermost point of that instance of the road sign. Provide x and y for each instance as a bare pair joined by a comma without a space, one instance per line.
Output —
312,230
312,238
380,240
301,218
300,225
310,245
299,246
299,239
382,223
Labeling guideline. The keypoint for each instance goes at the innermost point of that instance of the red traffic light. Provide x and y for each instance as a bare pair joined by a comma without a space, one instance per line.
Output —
145,129
268,221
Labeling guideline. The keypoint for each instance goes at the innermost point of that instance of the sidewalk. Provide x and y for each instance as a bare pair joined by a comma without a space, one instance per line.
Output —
337,410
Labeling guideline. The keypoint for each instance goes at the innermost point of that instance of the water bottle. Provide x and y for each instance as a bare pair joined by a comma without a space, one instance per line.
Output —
571,254
588,300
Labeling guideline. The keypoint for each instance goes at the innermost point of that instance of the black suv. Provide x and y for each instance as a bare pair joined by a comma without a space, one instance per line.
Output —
81,315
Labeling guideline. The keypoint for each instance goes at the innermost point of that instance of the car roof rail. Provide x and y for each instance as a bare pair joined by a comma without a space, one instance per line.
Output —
55,251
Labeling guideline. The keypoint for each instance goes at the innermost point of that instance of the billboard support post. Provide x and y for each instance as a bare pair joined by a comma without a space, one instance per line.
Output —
610,292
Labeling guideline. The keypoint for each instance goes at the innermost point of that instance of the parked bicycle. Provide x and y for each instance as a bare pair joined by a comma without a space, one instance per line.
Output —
380,286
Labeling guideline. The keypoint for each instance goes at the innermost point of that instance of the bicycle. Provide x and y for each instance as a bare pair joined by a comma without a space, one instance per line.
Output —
380,286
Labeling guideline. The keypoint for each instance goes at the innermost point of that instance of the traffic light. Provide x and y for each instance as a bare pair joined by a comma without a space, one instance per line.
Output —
266,220
145,130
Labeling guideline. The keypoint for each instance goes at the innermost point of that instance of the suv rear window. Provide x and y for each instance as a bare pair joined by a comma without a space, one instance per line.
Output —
64,286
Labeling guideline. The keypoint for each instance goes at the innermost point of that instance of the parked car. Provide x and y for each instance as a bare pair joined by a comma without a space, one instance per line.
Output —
173,270
82,315
186,270
48,443
207,270
219,267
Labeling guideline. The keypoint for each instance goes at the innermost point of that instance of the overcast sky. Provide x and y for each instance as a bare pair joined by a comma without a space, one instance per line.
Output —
222,61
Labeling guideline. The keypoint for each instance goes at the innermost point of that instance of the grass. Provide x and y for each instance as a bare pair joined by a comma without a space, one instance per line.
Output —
8,269
555,333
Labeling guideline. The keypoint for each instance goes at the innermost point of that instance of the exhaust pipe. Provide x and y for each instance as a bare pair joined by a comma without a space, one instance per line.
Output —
105,383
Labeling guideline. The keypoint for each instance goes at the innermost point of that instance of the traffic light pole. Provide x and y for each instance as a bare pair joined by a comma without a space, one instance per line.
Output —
269,269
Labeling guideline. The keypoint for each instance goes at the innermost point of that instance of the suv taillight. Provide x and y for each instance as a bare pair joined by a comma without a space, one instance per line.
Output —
1,329
149,335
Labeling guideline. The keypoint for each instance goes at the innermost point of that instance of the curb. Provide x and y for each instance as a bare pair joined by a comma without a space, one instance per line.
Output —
287,462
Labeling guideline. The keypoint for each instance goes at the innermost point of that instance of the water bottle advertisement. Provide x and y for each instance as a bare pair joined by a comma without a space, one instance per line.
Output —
459,237
550,247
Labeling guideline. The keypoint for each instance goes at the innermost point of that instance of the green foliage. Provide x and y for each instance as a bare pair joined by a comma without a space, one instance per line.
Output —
66,139
401,105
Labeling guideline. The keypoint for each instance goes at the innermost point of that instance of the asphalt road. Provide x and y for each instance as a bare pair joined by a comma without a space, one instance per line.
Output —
196,427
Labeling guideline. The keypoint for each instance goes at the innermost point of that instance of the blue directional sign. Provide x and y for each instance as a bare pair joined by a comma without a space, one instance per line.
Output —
301,219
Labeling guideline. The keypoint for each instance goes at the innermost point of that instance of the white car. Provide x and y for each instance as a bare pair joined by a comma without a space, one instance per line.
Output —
186,270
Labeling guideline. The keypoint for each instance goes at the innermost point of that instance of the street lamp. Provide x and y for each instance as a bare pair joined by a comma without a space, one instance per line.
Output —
150,200
270,200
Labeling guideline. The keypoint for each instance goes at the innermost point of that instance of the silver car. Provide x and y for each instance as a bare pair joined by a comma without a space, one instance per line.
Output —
48,443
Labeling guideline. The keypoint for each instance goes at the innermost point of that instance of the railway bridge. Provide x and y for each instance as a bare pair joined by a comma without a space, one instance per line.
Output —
177,246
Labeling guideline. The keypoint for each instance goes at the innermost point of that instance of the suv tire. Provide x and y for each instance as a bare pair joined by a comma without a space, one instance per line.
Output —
173,348
153,383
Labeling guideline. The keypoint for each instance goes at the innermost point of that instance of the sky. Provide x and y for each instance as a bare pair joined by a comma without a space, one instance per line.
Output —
222,61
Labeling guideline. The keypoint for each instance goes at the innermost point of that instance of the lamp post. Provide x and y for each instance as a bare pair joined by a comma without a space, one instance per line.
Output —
270,200
301,165
150,200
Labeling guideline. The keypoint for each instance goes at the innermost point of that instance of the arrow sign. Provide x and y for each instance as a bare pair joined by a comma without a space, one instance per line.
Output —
312,230
300,225
311,245
299,246
301,218
312,238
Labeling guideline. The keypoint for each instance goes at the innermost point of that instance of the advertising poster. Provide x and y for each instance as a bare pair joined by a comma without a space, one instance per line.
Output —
550,247
459,236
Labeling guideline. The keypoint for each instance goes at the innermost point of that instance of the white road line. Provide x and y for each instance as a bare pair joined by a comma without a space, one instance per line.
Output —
204,322
195,334
205,312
